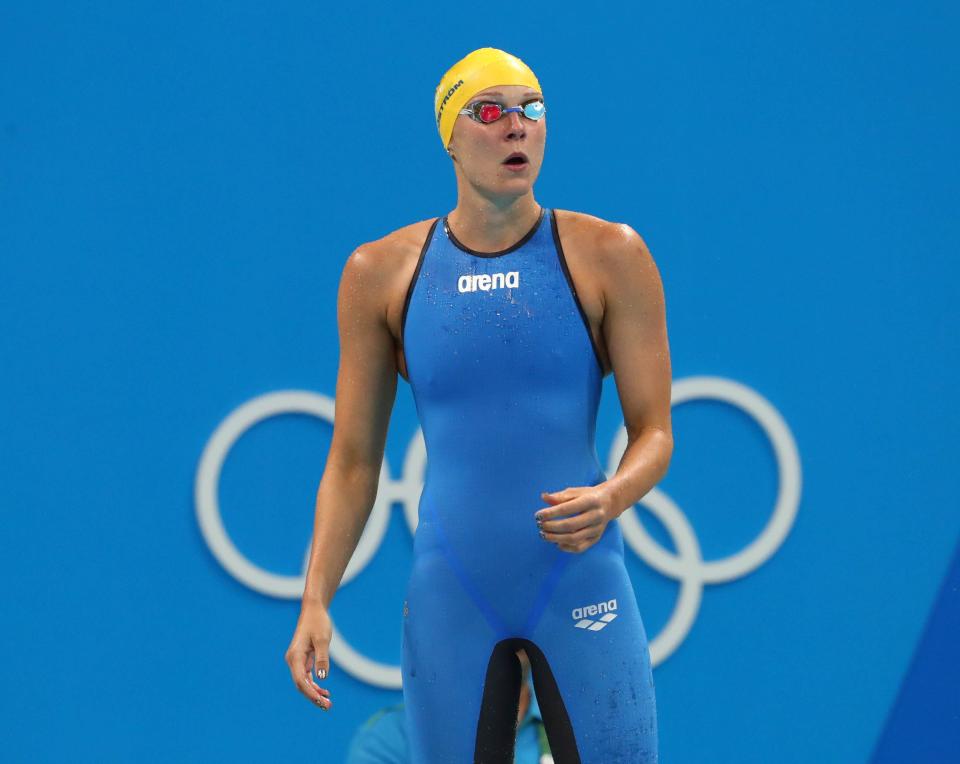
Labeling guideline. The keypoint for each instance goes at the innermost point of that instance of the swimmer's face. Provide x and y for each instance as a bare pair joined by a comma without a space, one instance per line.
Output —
480,150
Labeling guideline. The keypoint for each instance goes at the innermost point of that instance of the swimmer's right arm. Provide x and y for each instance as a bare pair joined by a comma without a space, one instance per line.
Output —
365,392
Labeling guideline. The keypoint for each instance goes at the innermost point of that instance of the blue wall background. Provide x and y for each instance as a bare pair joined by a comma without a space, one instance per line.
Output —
180,184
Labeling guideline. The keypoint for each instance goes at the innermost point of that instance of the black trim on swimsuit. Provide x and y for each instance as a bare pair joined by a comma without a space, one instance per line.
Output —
410,288
573,289
497,723
527,236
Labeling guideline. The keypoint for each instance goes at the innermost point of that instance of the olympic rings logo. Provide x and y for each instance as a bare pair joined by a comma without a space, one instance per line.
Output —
687,566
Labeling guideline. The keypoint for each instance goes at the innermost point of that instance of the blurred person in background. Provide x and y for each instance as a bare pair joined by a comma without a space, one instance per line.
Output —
382,739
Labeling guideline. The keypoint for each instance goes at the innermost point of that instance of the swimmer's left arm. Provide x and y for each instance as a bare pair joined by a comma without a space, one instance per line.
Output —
635,332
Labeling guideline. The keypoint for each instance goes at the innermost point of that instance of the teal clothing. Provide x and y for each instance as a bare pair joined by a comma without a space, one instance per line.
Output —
382,739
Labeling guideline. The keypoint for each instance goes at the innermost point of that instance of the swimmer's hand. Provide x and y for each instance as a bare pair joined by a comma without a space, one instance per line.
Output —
310,645
585,510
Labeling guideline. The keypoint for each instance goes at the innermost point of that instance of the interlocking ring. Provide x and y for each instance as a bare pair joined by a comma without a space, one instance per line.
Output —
687,566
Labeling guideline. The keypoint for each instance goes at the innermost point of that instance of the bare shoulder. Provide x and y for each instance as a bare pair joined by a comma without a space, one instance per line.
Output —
380,267
379,261
381,270
618,256
617,243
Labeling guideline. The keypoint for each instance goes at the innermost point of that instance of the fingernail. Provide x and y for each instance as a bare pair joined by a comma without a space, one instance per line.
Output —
322,673
542,535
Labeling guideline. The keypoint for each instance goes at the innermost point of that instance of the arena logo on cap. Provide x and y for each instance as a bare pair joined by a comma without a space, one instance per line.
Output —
450,92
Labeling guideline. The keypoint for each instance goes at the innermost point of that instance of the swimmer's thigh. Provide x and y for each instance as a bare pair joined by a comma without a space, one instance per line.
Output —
601,675
446,648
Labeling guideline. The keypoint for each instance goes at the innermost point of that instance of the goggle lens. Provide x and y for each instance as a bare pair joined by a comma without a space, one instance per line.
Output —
488,111
533,110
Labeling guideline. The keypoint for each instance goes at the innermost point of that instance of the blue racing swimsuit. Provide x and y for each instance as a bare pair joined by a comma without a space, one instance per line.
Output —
507,380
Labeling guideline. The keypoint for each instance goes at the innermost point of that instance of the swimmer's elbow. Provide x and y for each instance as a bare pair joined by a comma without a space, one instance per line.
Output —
662,445
666,452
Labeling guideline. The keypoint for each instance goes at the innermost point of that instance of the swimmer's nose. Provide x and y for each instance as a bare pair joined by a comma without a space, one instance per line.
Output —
516,124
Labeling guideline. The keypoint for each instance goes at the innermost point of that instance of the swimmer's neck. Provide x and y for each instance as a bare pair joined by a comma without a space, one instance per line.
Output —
489,225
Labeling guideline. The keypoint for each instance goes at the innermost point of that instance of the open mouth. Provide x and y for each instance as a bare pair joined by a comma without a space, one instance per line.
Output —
516,159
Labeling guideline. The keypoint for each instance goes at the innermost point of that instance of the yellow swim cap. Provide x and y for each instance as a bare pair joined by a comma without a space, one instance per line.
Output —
479,70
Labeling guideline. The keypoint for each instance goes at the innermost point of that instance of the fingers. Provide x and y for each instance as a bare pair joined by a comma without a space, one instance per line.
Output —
575,542
300,660
560,497
576,533
579,522
555,496
569,501
320,661
577,527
